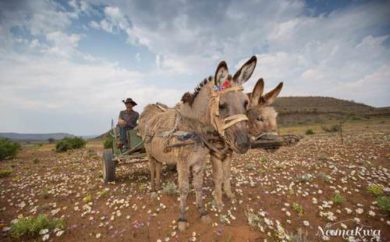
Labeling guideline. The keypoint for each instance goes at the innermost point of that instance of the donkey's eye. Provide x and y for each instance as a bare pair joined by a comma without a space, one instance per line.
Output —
246,104
222,106
260,119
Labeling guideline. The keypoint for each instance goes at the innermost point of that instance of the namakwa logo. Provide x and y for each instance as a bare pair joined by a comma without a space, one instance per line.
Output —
358,233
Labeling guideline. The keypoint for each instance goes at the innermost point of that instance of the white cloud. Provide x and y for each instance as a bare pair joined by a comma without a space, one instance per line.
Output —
344,54
54,85
81,7
158,61
325,55
371,86
115,21
62,44
138,57
94,24
306,51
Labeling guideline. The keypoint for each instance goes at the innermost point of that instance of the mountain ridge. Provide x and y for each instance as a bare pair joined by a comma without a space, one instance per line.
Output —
291,110
34,136
308,109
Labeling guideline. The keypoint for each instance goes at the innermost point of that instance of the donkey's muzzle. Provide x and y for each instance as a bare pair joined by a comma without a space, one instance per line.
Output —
242,143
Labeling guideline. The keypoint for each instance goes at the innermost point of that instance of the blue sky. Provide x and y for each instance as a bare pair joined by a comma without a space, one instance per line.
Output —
65,66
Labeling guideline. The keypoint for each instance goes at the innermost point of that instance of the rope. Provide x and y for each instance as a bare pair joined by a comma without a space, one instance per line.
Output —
232,120
221,124
169,134
219,152
161,107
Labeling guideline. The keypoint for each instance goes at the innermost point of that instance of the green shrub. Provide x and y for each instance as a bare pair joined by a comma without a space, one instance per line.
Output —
264,160
170,188
384,203
108,142
309,132
323,157
70,143
305,178
375,189
253,219
298,208
87,198
30,226
142,187
103,193
324,177
8,149
5,173
332,129
338,198
250,166
299,236
355,118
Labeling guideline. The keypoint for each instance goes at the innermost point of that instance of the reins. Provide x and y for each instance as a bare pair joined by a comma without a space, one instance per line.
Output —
219,152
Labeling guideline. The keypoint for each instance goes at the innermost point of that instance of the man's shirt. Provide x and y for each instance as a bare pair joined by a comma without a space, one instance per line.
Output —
130,118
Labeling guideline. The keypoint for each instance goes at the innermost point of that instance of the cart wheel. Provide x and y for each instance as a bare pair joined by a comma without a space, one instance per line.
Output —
108,166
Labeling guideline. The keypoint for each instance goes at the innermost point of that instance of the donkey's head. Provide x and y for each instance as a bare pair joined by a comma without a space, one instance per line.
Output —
233,104
220,104
262,117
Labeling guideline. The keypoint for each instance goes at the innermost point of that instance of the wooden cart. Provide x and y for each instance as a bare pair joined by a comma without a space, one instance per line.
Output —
115,156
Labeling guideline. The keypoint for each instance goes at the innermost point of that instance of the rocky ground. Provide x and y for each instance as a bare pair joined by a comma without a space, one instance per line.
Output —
304,192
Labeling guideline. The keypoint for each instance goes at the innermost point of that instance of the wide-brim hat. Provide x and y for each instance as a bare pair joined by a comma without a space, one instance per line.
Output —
129,100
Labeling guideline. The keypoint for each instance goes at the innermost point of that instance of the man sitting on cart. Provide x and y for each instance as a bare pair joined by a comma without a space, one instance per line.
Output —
127,120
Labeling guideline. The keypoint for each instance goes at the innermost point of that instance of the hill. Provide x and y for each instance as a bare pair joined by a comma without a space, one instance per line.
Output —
312,109
295,110
35,137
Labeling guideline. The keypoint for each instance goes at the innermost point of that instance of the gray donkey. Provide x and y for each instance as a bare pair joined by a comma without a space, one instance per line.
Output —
180,136
262,125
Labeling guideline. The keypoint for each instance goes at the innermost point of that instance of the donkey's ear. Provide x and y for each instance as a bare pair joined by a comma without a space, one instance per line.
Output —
245,72
257,92
270,97
221,73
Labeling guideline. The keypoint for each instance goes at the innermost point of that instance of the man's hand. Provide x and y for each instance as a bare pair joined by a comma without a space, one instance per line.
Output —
121,122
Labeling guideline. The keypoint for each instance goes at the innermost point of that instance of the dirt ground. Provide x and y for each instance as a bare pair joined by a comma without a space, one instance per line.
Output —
283,195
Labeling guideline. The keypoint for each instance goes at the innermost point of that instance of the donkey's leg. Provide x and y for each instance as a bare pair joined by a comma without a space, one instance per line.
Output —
227,176
198,173
217,177
152,168
183,177
158,175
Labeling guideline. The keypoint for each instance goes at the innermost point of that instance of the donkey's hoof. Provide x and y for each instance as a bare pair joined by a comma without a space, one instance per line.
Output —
182,225
205,219
219,205
230,195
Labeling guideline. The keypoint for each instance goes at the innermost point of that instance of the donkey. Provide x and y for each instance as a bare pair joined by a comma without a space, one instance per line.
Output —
262,125
218,105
